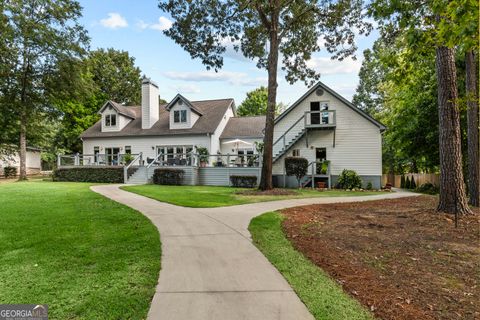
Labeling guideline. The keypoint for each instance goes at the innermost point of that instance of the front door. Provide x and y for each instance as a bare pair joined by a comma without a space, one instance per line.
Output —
112,156
315,114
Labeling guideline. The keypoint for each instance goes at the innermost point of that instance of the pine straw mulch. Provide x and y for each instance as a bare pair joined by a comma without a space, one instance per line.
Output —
398,257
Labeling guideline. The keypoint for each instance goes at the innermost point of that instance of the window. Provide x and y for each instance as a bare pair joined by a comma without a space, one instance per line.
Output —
110,120
128,149
324,107
296,153
180,116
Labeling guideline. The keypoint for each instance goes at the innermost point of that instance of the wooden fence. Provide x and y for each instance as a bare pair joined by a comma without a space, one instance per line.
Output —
420,178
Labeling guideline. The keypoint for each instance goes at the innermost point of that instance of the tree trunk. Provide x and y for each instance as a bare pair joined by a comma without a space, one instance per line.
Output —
453,197
22,151
473,178
266,177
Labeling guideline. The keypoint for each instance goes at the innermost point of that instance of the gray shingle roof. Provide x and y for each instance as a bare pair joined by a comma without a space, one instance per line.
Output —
244,127
212,113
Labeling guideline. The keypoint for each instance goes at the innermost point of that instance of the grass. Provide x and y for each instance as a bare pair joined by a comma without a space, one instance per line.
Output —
209,197
323,297
85,256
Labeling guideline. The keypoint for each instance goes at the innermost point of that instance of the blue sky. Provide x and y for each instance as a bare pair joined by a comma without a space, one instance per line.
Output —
136,26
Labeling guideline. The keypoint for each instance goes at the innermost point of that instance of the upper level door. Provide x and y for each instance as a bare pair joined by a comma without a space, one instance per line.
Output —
315,115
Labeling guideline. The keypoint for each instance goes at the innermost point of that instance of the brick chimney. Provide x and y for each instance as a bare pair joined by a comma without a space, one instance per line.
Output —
150,103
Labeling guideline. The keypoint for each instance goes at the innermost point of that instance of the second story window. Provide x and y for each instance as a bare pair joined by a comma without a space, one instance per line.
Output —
110,120
180,116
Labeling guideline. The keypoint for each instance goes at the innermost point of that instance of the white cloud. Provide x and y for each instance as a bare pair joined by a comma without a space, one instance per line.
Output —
327,66
142,24
114,21
186,88
234,78
162,25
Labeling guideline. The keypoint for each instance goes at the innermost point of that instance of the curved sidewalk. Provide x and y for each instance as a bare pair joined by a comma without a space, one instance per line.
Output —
210,268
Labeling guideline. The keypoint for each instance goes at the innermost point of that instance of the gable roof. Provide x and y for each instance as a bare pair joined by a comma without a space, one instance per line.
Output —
336,95
185,100
121,109
244,127
212,113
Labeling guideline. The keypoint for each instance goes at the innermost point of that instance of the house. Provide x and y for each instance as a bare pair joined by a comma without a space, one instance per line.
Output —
321,126
33,161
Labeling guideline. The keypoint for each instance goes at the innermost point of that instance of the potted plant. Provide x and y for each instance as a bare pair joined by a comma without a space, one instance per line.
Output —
202,156
127,158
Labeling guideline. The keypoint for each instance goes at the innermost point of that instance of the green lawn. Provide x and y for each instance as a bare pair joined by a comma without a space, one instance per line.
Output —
85,256
209,197
321,294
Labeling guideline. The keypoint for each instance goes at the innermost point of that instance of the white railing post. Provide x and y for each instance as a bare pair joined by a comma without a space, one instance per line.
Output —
77,159
59,160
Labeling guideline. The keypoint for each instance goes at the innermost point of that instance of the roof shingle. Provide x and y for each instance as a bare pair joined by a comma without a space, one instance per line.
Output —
244,127
212,112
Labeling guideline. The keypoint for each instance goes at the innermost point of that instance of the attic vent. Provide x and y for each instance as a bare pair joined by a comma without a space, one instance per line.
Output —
180,102
319,92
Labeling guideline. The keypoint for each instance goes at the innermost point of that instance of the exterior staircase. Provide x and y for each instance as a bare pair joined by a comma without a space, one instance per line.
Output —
139,176
289,138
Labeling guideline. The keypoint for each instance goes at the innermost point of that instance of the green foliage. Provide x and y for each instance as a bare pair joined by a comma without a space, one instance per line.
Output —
243,181
398,87
296,166
427,188
322,167
168,176
407,183
36,38
202,154
369,185
255,103
413,185
10,172
322,295
89,174
127,158
349,179
115,75
402,182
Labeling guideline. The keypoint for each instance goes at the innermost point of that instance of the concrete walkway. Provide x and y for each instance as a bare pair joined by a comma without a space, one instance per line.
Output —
210,268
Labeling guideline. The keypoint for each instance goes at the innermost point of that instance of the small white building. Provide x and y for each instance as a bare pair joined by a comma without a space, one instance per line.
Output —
321,126
33,161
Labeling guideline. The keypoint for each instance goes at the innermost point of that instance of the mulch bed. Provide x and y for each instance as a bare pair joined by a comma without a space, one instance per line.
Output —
398,257
273,192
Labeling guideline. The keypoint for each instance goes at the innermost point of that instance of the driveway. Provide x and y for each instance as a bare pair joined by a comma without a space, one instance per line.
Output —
210,268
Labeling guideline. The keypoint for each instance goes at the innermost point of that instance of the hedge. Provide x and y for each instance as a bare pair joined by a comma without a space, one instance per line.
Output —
10,172
168,176
243,181
89,174
296,166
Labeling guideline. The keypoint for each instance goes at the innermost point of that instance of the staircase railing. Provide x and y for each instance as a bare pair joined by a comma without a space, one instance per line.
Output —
282,140
125,168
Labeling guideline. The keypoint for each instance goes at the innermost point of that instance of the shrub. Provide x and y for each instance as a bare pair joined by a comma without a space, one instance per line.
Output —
322,167
127,158
243,181
89,174
10,172
168,176
402,182
369,185
296,166
407,183
202,154
349,179
413,185
427,188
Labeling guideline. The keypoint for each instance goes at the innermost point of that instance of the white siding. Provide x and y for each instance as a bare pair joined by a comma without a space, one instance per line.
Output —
33,163
192,117
144,144
358,143
150,104
216,146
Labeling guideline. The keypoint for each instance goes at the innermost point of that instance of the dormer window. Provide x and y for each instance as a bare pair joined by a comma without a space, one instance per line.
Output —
180,116
110,120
